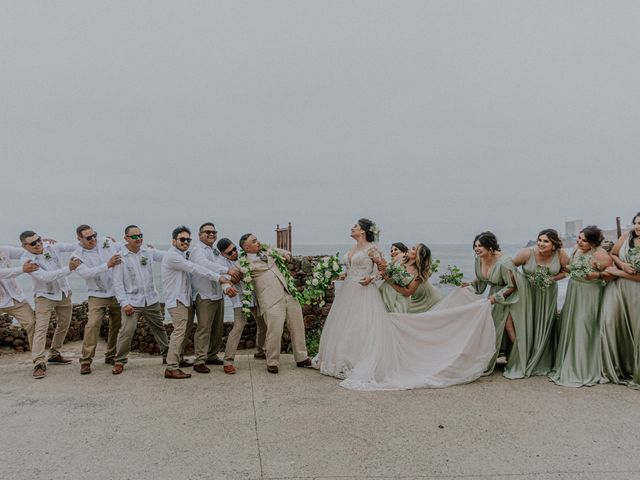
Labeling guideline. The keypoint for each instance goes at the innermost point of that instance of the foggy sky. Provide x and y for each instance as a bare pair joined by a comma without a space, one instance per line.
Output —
435,119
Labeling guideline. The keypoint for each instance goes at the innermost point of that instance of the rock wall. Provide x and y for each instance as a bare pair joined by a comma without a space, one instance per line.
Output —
14,338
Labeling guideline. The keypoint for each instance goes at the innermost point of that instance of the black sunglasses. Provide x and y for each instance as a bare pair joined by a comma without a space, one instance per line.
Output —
210,232
230,252
184,239
35,242
135,237
91,237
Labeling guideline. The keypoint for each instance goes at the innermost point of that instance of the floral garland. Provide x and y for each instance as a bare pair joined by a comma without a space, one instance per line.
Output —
248,288
324,272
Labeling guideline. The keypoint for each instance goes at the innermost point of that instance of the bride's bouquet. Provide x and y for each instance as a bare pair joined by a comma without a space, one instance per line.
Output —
580,267
541,278
453,276
324,272
398,274
634,258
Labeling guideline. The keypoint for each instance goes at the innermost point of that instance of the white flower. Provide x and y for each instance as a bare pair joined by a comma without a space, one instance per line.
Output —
328,274
247,278
244,270
315,282
335,266
246,310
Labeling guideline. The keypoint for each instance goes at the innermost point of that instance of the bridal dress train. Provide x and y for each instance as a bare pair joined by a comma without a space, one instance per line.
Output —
372,349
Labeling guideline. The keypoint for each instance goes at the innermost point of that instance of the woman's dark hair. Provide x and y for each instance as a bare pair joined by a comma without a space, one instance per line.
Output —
423,261
223,244
553,236
366,225
593,235
632,233
400,246
488,240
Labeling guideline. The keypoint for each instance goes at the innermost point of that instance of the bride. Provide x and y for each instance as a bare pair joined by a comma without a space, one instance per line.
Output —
371,349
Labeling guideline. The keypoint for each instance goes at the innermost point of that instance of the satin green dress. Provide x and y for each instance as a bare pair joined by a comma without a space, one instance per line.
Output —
543,313
620,330
577,361
424,298
393,301
517,304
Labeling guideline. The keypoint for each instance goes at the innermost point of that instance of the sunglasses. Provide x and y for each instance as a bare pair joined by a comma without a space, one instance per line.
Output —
184,239
91,237
35,242
135,237
231,252
209,232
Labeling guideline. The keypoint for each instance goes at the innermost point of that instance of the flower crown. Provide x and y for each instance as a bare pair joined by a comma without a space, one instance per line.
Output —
376,232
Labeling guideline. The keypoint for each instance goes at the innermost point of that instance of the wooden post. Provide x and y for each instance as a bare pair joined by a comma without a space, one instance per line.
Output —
284,238
618,227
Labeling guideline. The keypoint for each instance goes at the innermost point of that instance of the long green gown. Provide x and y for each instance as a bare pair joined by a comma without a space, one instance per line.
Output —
620,330
518,304
543,313
425,297
577,362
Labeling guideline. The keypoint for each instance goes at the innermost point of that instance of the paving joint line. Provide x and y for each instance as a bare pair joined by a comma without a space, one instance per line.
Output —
255,419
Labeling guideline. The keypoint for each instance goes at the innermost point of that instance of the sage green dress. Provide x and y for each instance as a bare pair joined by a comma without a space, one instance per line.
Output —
544,303
424,298
577,361
393,301
620,330
518,304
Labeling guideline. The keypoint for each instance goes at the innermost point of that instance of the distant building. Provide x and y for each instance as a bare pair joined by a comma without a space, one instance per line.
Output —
572,228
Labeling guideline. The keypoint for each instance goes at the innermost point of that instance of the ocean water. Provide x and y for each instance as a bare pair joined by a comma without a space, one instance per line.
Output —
448,254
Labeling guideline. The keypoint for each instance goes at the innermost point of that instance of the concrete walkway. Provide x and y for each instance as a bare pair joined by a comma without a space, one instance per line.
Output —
302,425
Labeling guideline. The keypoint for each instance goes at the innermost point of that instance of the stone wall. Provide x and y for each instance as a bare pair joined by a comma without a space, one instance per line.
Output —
14,339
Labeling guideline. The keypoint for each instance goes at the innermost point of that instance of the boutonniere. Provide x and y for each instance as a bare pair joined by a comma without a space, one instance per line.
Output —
106,243
47,256
187,255
144,261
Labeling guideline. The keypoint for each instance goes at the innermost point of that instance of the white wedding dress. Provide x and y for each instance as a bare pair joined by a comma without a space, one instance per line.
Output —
371,349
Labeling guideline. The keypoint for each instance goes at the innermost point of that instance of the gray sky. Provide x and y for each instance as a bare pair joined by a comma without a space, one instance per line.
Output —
435,119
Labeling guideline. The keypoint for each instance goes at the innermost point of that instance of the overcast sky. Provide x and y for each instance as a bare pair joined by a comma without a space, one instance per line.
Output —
435,119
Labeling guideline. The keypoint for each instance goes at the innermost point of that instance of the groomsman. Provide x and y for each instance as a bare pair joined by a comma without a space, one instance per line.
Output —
12,299
136,293
209,303
276,304
176,284
52,293
229,253
98,257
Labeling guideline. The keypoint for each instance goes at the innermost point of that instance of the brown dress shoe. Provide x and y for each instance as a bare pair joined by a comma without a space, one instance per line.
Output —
262,356
177,374
201,368
272,368
214,361
59,360
110,360
117,369
304,363
85,369
185,364
229,369
39,371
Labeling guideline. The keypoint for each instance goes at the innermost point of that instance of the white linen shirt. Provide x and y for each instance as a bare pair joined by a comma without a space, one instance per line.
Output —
236,302
50,281
94,270
204,256
176,278
133,281
10,292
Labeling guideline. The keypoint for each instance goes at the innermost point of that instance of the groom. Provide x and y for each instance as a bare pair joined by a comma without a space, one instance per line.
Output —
275,303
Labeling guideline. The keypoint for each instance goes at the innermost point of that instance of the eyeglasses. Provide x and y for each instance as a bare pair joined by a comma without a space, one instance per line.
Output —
231,252
209,232
135,237
35,242
184,239
91,237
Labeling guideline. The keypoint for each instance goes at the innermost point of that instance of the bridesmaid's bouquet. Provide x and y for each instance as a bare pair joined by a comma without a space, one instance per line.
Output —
398,274
541,278
324,272
634,258
435,266
580,267
453,276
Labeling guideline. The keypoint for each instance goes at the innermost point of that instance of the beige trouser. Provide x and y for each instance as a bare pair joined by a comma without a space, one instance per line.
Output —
23,313
210,327
98,308
239,323
287,309
44,309
153,317
180,315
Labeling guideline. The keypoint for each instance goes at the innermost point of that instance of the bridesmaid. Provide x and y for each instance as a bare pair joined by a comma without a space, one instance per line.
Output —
547,253
511,299
621,313
419,295
577,361
398,252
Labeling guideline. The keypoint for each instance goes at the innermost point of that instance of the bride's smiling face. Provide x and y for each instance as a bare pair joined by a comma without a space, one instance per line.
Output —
357,231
